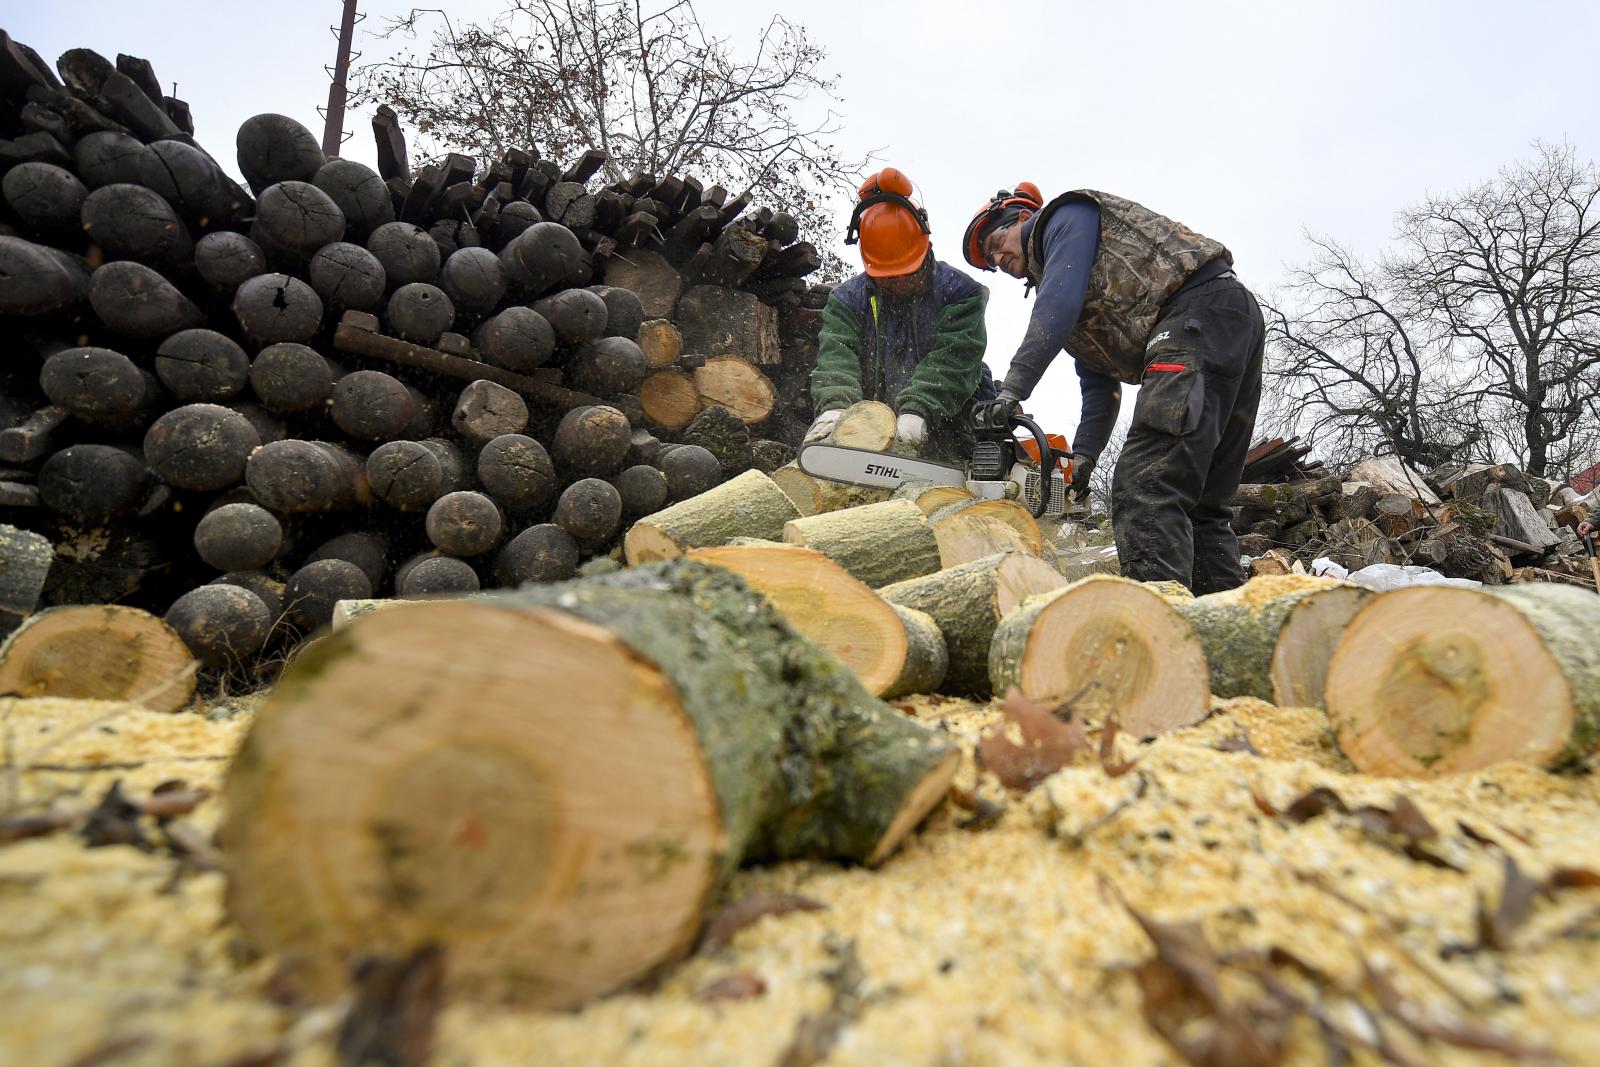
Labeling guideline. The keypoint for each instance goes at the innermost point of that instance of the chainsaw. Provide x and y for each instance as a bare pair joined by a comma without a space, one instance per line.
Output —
1035,470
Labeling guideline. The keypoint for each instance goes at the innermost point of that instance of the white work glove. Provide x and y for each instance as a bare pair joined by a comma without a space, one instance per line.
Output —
910,431
822,426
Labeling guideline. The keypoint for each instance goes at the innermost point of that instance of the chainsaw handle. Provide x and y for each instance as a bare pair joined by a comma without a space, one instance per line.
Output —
1047,461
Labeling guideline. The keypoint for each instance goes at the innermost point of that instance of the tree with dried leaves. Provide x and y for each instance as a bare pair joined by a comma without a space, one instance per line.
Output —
1476,337
653,89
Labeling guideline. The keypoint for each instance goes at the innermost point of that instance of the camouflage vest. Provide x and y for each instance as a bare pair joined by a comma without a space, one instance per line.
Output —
1143,258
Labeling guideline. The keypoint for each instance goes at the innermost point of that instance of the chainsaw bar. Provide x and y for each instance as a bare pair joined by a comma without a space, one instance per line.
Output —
879,470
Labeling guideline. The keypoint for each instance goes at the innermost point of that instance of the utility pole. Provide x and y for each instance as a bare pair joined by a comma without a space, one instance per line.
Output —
333,128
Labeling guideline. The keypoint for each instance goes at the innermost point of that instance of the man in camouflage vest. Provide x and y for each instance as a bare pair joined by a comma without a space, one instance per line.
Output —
1138,298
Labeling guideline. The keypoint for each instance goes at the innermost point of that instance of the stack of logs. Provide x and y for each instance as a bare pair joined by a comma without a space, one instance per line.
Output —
1486,523
236,406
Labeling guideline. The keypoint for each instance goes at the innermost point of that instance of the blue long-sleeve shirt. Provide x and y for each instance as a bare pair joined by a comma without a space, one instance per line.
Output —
1070,242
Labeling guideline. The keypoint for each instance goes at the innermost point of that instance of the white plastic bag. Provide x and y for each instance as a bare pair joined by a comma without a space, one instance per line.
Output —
1385,576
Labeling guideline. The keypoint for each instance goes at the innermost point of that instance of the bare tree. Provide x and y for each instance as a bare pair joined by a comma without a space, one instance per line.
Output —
652,88
1477,337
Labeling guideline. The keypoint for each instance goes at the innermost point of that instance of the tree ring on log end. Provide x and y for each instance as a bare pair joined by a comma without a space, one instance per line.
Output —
99,652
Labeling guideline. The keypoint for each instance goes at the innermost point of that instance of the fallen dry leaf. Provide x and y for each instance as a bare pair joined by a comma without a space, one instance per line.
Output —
115,821
1239,742
735,916
1452,1029
397,1002
1495,928
1047,744
1109,763
740,985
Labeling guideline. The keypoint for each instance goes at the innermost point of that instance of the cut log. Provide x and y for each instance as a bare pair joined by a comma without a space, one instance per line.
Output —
419,312
690,471
624,310
893,650
963,538
591,442
238,537
517,339
1275,494
1306,642
1389,475
226,260
93,483
1516,517
715,321
473,280
358,192
655,281
968,602
24,564
1239,630
370,405
294,219
747,506
738,386
134,300
464,523
1009,512
406,251
1107,647
770,455
292,477
543,553
725,436
485,410
1432,680
439,576
202,447
660,342
590,510
98,652
291,379
545,256
39,280
669,398
517,471
109,156
276,148
364,548
190,181
95,384
135,223
932,497
457,473
220,624
576,315
868,425
879,543
48,199
202,366
272,308
643,489
608,366
347,276
797,760
311,592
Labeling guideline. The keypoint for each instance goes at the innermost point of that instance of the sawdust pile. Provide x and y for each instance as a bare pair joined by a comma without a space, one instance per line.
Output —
1016,928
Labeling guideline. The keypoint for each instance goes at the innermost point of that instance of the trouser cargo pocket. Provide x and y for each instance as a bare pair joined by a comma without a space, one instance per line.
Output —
1171,396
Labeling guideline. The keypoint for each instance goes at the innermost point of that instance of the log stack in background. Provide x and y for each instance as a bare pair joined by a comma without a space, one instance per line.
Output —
333,382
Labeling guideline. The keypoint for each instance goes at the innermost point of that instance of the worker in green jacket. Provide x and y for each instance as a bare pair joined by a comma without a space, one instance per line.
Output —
908,331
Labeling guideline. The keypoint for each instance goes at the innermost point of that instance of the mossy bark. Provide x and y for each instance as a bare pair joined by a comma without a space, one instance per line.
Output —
927,658
1239,632
750,505
879,543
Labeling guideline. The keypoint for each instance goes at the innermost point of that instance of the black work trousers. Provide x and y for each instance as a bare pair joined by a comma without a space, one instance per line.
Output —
1186,446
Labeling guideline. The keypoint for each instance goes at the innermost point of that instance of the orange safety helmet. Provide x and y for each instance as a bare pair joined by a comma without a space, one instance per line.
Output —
1020,203
891,229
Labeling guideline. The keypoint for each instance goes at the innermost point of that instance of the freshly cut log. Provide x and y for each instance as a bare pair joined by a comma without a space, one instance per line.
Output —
802,490
879,543
441,575
201,366
1010,512
1108,646
931,497
406,252
590,510
220,623
963,538
311,592
238,537
291,378
134,300
968,602
591,442
660,342
273,307
93,483
518,473
1434,680
1239,630
690,470
98,652
344,821
716,321
464,524
893,649
518,339
202,447
747,506
737,385
1306,642
670,398
485,410
27,557
868,425
347,276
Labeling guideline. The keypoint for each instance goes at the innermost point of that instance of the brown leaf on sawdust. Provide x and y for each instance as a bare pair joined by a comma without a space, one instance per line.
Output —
1239,742
1109,762
1573,878
735,916
1451,1029
816,1035
22,827
115,821
740,985
1318,801
1047,745
1495,928
397,1003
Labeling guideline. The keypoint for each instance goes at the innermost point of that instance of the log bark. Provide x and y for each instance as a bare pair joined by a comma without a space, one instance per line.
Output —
725,436
1239,630
221,624
682,727
24,564
669,398
1434,680
878,543
1275,494
1106,646
736,385
464,523
893,650
655,281
968,602
98,652
747,506
1306,641
1516,517
715,321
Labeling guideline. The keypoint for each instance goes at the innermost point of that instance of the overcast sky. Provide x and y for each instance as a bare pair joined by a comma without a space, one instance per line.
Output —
1249,121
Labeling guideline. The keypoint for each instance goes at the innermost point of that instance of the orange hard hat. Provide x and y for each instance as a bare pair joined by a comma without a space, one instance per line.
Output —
891,229
1003,206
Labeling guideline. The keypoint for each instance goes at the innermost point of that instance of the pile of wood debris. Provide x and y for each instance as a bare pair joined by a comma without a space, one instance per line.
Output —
1229,893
